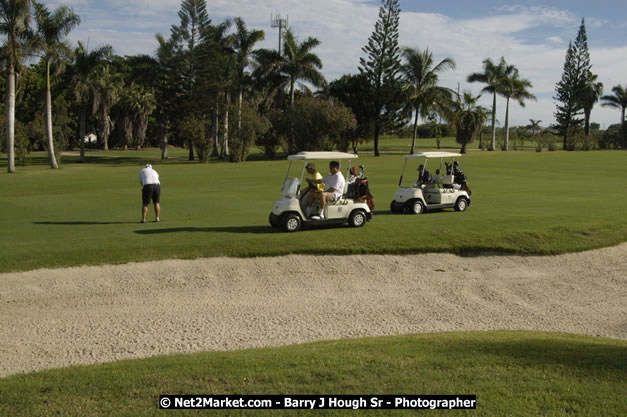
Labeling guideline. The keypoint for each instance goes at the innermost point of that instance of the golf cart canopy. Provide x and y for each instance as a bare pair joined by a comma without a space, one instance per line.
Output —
309,156
429,155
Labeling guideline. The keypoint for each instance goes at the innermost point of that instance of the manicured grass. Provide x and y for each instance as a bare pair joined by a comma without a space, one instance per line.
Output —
523,202
512,373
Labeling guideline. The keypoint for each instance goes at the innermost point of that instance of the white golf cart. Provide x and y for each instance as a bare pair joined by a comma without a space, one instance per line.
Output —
439,192
289,212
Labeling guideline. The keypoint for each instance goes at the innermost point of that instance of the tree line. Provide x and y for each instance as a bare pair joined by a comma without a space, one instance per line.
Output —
208,88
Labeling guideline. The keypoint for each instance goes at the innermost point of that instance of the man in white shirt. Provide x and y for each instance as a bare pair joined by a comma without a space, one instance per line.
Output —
151,190
333,187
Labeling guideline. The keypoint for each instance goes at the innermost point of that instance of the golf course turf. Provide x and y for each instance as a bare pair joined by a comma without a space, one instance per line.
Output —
511,373
522,202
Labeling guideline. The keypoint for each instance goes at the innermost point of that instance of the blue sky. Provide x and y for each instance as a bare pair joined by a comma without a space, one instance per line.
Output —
531,34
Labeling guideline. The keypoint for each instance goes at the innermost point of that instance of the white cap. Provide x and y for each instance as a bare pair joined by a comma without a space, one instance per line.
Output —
148,166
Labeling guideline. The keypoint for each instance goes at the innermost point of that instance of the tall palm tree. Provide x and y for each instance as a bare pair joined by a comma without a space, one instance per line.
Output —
468,118
299,63
14,23
52,29
492,76
108,88
516,88
618,101
85,62
589,95
243,43
222,56
420,84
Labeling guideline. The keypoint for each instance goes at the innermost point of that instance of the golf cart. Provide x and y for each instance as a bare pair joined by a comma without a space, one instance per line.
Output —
440,191
290,212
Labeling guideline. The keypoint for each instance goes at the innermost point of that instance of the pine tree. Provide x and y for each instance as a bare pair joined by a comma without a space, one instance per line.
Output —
188,39
381,66
569,108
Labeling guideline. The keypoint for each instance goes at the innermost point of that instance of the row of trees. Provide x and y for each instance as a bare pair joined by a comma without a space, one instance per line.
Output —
209,89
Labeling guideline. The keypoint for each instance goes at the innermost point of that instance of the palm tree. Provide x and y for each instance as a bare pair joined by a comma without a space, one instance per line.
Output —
421,78
589,96
267,77
299,63
84,88
223,57
141,104
468,118
514,87
534,126
243,43
108,88
52,29
14,23
492,76
618,101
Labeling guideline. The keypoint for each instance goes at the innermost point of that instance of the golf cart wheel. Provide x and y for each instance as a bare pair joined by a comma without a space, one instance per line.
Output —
357,218
395,207
291,222
461,204
416,207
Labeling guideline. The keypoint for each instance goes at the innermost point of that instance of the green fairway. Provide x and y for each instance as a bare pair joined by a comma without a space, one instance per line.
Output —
511,373
522,202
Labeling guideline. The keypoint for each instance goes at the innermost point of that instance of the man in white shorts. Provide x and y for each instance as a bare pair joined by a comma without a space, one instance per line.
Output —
333,187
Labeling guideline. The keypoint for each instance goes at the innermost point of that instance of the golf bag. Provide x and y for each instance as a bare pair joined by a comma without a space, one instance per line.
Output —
358,188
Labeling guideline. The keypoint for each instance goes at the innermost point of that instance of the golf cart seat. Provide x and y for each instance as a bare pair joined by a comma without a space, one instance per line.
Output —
443,179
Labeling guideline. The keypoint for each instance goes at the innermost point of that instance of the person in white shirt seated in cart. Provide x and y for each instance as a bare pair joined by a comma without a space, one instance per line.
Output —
333,188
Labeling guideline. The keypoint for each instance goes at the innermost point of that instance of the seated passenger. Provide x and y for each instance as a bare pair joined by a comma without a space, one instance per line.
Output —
424,176
315,175
333,188
459,178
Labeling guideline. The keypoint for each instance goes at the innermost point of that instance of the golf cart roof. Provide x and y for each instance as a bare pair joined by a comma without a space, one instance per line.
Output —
432,155
309,156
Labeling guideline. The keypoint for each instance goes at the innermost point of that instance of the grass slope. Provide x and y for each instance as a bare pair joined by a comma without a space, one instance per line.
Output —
512,373
523,202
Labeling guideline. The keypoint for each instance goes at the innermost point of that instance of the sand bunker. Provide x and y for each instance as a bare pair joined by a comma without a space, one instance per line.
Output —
61,317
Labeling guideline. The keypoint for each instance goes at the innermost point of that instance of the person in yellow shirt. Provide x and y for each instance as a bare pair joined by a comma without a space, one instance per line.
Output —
315,175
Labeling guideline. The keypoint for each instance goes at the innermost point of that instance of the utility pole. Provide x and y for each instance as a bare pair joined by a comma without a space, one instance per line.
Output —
278,22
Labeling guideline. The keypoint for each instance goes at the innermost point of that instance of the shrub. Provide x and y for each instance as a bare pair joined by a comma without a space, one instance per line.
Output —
610,139
320,125
245,134
194,129
275,136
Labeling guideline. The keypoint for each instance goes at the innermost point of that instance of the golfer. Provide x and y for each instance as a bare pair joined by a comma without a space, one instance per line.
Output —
151,190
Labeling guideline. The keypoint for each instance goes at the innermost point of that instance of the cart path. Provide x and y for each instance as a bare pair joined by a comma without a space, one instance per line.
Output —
55,318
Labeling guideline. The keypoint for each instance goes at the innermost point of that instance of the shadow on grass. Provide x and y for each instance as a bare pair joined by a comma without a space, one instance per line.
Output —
81,223
587,357
230,229
404,213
